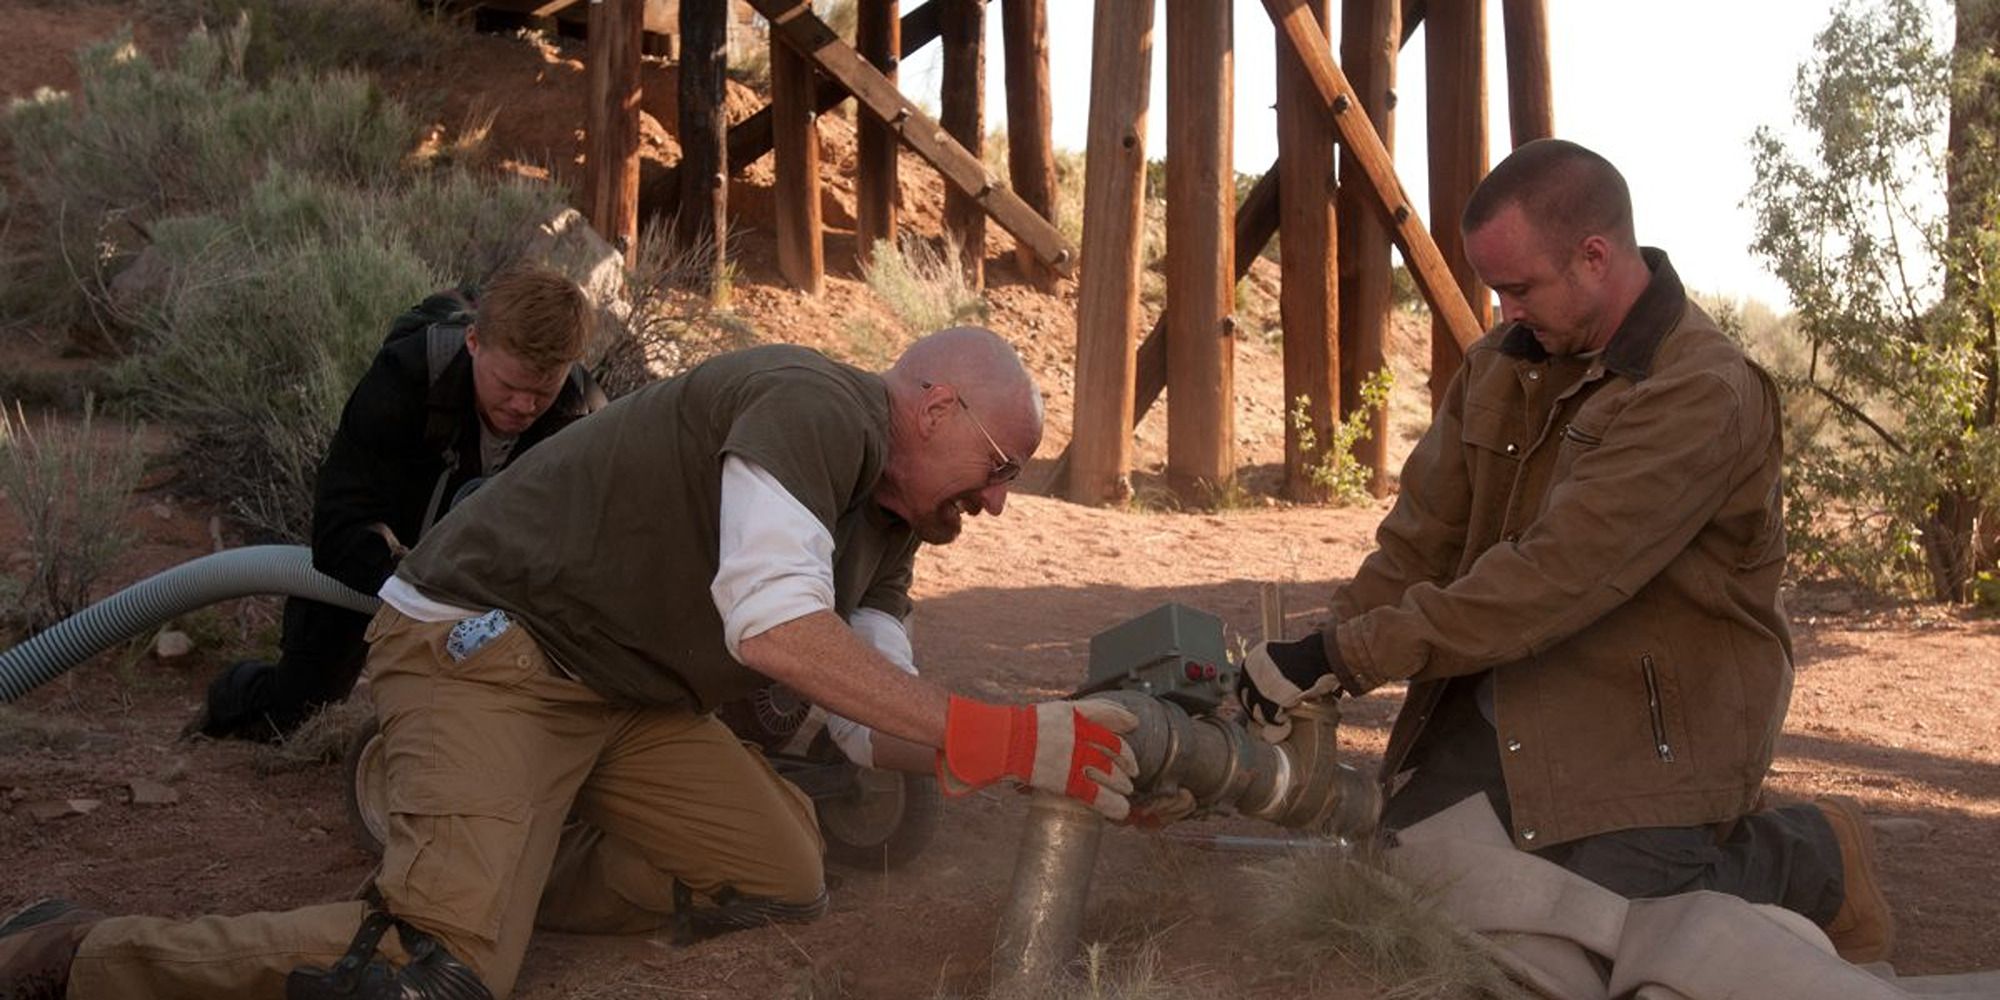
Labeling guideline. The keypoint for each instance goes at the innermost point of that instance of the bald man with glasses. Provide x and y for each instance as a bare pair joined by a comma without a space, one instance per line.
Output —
547,661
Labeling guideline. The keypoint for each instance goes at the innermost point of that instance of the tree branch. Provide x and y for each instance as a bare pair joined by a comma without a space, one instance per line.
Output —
1856,412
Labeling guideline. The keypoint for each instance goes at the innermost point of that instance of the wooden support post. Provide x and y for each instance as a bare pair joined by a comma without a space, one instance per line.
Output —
1256,224
795,192
795,22
1099,458
1309,296
1201,210
1369,39
1377,171
1531,107
875,188
1455,82
1031,164
962,112
750,139
611,157
701,226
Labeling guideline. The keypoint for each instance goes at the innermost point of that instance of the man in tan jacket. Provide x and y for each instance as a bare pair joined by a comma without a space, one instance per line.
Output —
1580,578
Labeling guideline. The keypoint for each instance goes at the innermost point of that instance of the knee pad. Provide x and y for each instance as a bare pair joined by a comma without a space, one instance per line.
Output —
734,911
430,974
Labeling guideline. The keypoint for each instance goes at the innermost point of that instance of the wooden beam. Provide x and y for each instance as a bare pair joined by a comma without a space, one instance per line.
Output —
1295,22
1256,224
702,222
1369,39
1413,18
793,21
750,139
795,191
1201,293
1531,109
1455,88
611,143
962,112
1031,162
1094,469
1309,293
875,186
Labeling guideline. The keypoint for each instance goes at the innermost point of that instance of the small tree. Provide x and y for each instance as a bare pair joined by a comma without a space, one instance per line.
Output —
1882,229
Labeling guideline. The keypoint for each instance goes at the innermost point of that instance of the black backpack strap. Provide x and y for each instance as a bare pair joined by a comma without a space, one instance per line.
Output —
442,342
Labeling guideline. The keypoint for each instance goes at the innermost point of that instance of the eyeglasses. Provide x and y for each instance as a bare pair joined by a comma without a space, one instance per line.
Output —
1005,469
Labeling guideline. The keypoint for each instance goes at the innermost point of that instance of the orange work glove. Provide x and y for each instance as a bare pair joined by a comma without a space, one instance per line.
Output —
1067,747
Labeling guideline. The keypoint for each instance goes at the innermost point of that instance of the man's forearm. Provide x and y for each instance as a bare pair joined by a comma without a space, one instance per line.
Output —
821,658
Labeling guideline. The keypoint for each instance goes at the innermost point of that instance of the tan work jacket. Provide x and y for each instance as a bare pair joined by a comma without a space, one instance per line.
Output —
1606,535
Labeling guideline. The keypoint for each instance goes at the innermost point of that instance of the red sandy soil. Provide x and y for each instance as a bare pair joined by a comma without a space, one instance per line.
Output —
1888,708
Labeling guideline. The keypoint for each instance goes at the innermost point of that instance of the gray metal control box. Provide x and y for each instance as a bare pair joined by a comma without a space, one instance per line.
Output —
1172,652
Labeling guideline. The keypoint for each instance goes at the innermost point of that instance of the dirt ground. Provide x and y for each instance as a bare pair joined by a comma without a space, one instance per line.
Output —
1888,707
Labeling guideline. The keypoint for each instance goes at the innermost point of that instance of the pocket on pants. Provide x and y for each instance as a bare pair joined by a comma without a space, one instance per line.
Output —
451,858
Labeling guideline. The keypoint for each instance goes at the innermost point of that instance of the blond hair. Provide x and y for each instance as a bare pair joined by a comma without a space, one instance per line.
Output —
537,315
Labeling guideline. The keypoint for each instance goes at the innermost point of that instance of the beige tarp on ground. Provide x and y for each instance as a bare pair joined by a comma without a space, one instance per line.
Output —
1571,939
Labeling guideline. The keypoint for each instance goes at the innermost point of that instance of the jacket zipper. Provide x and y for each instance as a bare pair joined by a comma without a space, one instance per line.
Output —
1660,744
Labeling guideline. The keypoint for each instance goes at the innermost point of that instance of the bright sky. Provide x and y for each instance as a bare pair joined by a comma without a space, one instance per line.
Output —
1669,92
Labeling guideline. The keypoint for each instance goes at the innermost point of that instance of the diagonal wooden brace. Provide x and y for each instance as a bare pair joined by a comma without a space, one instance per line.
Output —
795,22
1296,24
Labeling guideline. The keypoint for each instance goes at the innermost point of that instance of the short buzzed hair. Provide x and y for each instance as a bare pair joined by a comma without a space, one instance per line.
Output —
537,315
1566,191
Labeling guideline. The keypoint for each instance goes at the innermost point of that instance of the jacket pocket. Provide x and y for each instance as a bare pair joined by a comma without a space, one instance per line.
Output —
509,659
1492,430
1656,709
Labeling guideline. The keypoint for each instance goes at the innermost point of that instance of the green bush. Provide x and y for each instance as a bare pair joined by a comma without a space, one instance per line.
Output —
147,142
1880,222
1336,471
250,241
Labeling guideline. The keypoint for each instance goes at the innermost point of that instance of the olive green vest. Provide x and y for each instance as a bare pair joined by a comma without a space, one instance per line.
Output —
603,540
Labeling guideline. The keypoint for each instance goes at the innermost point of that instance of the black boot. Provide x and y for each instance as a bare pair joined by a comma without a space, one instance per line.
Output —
37,946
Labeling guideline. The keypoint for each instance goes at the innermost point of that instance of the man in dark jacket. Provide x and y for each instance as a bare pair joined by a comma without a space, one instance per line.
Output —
1580,576
464,383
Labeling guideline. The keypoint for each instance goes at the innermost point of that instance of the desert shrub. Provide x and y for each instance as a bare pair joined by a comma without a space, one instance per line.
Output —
923,285
674,320
142,141
70,491
292,35
748,54
254,345
249,243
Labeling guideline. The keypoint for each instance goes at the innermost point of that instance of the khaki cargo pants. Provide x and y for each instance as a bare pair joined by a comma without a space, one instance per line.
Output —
518,798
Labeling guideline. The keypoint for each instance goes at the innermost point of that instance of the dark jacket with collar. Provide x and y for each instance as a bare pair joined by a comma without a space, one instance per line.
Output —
1607,537
408,439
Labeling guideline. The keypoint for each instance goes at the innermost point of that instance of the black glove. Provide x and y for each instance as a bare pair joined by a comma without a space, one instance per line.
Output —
1278,675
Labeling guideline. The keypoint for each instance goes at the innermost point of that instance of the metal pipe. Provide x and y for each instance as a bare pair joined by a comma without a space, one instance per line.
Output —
1038,930
1299,783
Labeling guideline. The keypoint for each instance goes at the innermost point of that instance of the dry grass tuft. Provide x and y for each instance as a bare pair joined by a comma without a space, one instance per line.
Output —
923,285
322,739
70,491
1336,911
23,731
